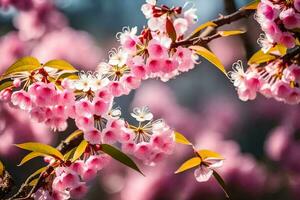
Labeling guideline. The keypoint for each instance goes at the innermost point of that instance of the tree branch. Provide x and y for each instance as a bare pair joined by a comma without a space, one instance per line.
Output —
210,32
26,191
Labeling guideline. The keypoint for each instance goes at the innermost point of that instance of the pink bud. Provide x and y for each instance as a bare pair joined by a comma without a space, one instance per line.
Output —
17,82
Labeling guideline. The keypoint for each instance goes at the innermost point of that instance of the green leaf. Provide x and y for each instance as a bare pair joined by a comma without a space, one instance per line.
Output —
120,156
230,33
211,57
2,168
30,156
251,6
24,64
260,57
41,148
171,30
179,138
5,85
203,26
221,183
80,150
60,65
193,162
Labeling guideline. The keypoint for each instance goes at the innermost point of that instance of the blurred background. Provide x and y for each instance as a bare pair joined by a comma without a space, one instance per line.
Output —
259,139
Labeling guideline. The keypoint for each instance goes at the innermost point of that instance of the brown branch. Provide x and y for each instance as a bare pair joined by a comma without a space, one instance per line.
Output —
210,32
294,53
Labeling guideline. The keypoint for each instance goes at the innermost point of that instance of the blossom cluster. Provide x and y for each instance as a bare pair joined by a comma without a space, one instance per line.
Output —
40,30
280,21
277,79
150,54
70,181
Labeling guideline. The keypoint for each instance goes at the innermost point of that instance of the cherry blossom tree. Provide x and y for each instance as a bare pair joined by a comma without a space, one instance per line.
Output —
53,91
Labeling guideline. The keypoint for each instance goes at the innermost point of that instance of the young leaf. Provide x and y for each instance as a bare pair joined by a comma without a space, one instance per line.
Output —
80,150
60,65
171,30
24,64
209,56
251,6
209,154
120,156
193,162
30,156
203,26
1,168
260,57
221,183
179,138
230,33
5,85
41,148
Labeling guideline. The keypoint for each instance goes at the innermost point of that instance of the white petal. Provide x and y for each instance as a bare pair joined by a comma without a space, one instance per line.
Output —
215,163
203,173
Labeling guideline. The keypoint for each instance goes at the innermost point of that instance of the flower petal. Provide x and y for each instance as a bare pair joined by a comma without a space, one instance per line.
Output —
203,173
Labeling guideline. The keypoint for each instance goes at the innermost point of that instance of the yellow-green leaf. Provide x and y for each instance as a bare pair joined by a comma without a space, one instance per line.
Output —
179,138
260,57
2,168
251,6
34,174
203,26
24,64
221,183
120,156
80,150
204,154
30,156
60,65
278,49
70,154
41,148
33,182
5,85
230,33
211,57
193,162
73,135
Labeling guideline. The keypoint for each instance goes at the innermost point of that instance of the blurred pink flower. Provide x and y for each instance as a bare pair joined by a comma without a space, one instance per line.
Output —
16,127
77,47
11,48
